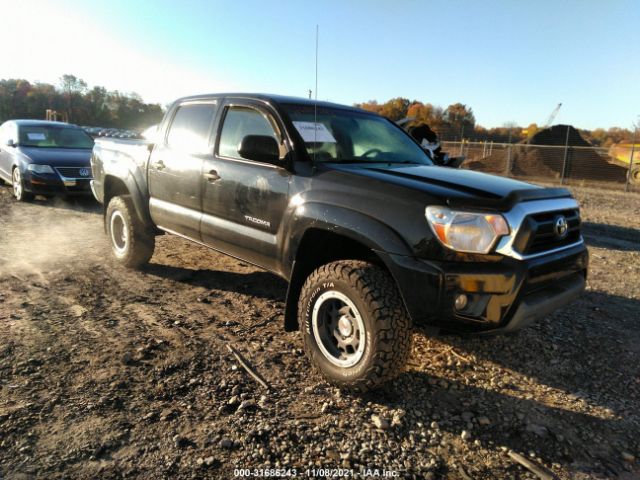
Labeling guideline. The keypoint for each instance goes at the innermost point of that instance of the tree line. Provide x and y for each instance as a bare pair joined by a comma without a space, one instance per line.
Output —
99,107
457,121
83,105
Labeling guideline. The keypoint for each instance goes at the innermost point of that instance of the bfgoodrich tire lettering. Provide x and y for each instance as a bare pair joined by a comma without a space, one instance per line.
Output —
130,243
372,295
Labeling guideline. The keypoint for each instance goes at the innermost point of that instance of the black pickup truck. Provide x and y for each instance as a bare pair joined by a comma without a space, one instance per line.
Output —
371,235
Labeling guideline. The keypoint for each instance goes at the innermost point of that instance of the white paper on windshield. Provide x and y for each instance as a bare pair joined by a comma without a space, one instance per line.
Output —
36,136
314,132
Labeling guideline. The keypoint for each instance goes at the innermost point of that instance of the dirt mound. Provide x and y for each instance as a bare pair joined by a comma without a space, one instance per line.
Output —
544,155
557,135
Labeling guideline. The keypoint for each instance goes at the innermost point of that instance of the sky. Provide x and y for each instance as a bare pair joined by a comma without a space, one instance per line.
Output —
509,60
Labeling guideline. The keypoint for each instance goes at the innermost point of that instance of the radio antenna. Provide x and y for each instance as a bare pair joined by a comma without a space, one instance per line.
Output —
315,105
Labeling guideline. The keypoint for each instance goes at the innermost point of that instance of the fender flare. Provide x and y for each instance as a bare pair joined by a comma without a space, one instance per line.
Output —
383,241
352,224
137,196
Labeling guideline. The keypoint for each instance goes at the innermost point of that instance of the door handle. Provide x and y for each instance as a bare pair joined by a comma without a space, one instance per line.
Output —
159,165
212,176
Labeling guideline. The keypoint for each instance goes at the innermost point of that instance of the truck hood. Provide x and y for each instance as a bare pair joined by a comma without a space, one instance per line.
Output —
458,187
59,157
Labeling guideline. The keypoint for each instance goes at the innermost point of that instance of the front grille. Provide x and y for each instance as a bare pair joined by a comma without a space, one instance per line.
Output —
74,172
537,233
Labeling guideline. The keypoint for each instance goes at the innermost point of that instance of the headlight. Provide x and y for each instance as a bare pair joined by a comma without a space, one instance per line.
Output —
40,168
466,231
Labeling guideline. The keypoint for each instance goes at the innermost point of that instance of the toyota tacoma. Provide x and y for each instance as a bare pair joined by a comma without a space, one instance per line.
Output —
371,235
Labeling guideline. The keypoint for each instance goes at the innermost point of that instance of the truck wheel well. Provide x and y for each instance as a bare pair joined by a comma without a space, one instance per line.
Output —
113,187
319,247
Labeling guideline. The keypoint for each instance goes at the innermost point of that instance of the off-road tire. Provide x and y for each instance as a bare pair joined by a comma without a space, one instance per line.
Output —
634,177
19,193
387,324
136,250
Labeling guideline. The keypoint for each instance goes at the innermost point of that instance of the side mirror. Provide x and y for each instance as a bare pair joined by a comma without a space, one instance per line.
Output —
444,160
453,162
261,148
10,143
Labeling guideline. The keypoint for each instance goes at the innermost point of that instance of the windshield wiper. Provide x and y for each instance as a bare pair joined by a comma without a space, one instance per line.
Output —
356,160
374,160
410,162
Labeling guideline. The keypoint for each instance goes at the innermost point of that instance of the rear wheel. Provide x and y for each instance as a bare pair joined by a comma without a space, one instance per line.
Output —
131,244
18,187
635,176
356,329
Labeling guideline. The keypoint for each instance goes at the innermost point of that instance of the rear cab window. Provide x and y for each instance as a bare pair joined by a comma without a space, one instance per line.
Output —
190,128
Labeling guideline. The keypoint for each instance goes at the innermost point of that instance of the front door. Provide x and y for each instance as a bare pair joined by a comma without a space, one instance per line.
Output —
243,200
175,169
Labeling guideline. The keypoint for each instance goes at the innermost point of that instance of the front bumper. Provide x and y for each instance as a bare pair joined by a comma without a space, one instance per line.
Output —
539,304
503,295
54,184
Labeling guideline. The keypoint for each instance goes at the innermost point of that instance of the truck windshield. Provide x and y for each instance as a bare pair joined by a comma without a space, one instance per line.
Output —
336,135
53,136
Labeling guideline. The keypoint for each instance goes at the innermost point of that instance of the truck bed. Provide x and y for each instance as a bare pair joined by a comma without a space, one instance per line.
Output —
121,158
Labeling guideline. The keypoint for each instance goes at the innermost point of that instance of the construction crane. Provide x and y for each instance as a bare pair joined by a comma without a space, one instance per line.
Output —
552,117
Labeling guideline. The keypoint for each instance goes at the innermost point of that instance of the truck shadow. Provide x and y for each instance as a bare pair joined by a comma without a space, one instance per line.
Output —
259,284
558,388
613,237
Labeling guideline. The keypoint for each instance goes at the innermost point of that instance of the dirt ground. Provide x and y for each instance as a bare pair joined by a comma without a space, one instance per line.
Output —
108,373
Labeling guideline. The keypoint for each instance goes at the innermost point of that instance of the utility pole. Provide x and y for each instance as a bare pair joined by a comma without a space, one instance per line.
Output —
566,157
509,153
631,155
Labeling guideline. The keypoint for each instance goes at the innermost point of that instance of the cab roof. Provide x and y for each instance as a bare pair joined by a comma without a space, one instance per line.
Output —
270,98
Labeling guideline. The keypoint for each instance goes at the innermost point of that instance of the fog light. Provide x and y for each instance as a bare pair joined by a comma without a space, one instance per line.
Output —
461,301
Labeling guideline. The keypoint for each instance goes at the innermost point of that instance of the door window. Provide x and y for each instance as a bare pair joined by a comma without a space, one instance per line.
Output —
6,132
239,122
189,130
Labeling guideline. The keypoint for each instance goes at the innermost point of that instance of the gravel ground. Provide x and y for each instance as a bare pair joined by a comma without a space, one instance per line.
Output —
110,373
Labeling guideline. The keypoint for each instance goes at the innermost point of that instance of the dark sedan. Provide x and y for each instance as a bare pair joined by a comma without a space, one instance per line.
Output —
45,158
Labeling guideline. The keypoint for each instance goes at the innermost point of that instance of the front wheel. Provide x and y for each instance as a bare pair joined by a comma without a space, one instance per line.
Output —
635,176
356,329
131,244
18,187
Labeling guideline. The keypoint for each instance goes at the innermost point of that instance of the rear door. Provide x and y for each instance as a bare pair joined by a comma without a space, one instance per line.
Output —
243,200
175,168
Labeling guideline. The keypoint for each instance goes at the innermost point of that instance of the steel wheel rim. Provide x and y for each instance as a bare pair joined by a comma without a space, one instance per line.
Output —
119,233
338,329
17,183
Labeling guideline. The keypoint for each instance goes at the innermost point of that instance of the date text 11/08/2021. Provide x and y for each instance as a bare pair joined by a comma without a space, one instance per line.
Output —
315,473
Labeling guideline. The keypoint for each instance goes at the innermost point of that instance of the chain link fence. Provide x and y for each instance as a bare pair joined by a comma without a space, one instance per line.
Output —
562,165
